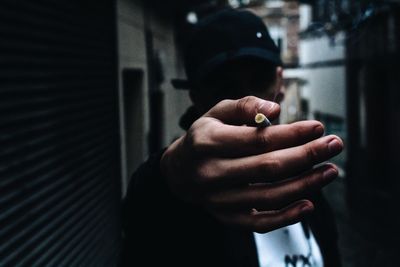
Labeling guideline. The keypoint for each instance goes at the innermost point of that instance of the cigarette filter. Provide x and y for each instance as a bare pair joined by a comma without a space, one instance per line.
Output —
261,120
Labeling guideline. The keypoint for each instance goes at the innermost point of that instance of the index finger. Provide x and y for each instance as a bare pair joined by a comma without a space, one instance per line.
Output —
242,111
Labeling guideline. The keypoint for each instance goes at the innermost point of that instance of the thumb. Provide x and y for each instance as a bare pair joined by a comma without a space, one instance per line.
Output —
243,111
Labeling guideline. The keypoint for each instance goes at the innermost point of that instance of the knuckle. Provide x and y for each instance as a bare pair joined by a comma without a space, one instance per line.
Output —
197,124
205,172
198,140
311,182
261,195
311,154
271,167
263,140
268,197
222,103
200,137
306,184
198,143
200,174
243,104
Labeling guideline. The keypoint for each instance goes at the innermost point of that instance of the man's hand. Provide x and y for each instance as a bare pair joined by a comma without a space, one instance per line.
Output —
249,177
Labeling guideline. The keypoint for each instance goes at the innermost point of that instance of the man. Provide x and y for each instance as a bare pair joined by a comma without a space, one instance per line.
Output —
198,202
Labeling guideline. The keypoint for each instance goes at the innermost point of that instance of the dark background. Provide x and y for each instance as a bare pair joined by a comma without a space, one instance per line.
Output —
60,177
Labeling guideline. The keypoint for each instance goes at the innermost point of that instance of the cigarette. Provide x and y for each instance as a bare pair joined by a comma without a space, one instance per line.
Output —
261,120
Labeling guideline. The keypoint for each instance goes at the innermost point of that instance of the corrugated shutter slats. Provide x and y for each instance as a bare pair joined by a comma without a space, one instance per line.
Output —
59,148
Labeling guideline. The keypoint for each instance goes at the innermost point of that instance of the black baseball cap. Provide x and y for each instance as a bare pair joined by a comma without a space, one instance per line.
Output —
222,37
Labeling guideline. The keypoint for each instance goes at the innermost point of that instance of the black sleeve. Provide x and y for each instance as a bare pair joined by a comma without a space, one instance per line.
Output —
147,191
148,209
161,230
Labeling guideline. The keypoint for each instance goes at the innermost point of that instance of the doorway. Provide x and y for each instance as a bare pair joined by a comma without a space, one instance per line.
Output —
133,113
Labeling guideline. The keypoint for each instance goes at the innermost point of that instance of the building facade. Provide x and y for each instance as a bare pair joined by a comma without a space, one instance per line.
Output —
149,58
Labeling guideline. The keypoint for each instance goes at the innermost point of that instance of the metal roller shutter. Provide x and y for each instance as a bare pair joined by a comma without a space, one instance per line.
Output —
59,148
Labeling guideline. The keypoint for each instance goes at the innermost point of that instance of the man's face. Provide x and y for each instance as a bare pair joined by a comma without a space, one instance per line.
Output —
239,79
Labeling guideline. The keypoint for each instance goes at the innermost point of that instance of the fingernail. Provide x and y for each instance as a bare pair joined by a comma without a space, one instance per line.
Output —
330,173
306,208
334,146
319,130
272,107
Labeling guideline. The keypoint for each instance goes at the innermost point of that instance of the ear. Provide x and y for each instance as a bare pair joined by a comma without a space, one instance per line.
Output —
279,85
278,79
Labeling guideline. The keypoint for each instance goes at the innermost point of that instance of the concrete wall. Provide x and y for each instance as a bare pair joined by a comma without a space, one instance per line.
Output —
175,101
133,18
323,71
322,67
317,49
324,88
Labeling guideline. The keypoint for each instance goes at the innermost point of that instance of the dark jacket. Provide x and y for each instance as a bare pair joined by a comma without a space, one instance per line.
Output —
161,230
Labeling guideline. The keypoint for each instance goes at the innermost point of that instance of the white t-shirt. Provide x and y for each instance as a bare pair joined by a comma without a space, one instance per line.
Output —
288,247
